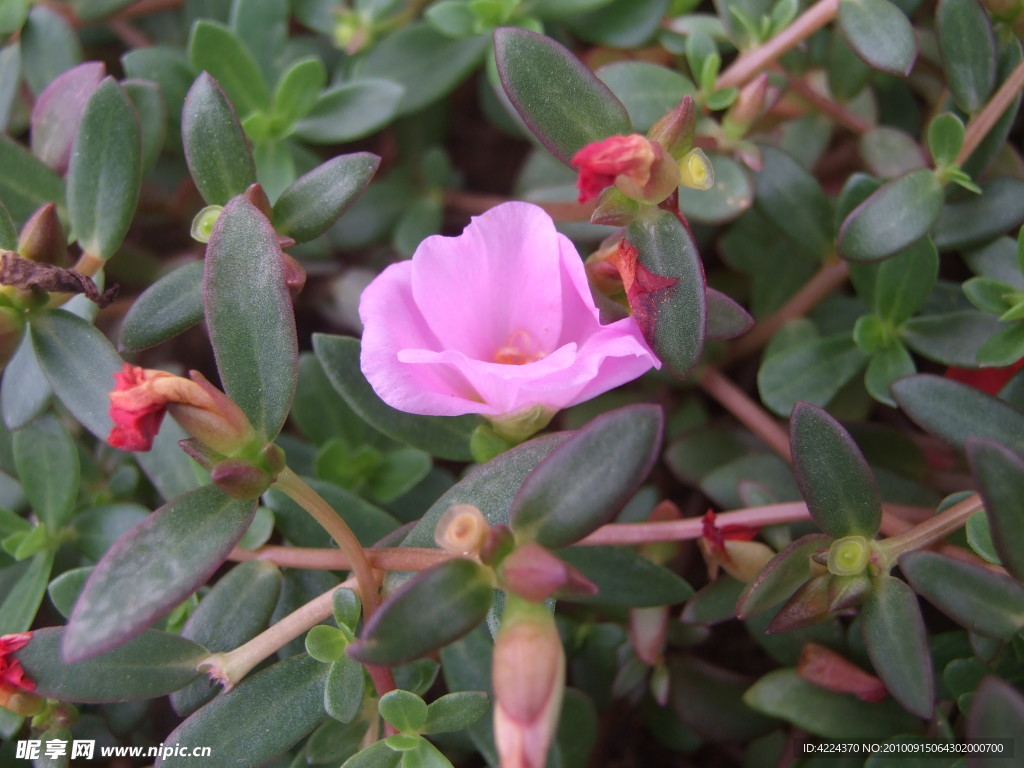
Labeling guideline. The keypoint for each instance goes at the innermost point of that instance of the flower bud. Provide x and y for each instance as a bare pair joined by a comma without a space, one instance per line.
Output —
204,221
461,530
528,675
849,556
675,130
648,629
241,479
497,545
641,169
749,106
534,574
696,171
42,238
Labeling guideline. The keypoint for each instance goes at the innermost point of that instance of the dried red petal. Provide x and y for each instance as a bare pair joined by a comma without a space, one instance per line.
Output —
12,674
601,161
135,410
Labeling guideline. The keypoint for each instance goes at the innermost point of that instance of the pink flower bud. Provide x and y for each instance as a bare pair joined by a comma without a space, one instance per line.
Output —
528,675
642,169
534,574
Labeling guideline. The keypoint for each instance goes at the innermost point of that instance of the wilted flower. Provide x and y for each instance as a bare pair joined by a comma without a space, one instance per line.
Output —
730,547
13,680
141,397
642,169
499,321
529,679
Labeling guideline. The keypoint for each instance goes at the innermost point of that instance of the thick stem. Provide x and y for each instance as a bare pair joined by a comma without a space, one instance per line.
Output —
384,559
819,287
295,488
982,122
752,415
931,531
752,63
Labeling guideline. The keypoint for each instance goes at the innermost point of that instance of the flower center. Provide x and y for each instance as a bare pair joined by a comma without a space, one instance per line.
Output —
518,349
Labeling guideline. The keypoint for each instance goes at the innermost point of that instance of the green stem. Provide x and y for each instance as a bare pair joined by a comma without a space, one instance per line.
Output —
295,488
931,531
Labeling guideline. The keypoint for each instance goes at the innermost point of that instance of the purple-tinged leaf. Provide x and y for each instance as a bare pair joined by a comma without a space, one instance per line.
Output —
1000,475
997,712
153,567
57,111
782,576
726,318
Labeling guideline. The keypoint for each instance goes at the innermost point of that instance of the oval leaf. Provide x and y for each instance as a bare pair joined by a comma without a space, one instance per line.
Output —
607,460
429,611
782,576
26,182
897,644
350,111
669,294
249,315
153,664
216,49
170,306
880,33
48,469
968,46
289,694
105,172
997,711
315,201
1000,475
58,110
216,151
446,437
954,412
984,602
834,479
153,567
561,101
625,577
892,218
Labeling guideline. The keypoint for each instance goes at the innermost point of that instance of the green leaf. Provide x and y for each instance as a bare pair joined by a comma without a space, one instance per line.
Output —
170,306
344,694
151,110
404,710
726,318
91,10
1004,348
351,111
436,607
890,152
168,67
443,437
793,200
561,101
97,528
398,473
880,33
49,46
347,608
835,480
64,589
105,172
48,469
782,576
455,711
813,371
80,365
234,611
904,282
377,755
607,459
153,567
987,294
731,195
997,710
153,664
672,312
27,182
979,219
710,700
648,91
216,150
832,715
249,316
217,50
624,577
289,694
25,392
945,137
19,607
298,89
968,47
619,24
984,602
897,644
315,201
888,364
1000,476
425,62
954,412
451,17
899,213
951,338
326,644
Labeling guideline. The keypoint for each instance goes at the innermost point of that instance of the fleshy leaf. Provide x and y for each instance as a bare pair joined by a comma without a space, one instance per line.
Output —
170,306
624,577
880,33
105,173
793,200
58,110
27,182
152,664
895,216
954,412
564,103
351,111
1000,476
216,49
48,469
897,643
782,576
813,370
997,711
215,147
835,480
153,567
289,694
429,611
984,602
968,47
668,293
442,436
726,318
607,459
455,711
315,201
249,316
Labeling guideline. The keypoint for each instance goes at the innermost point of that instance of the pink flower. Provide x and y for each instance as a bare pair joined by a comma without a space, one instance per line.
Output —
497,321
